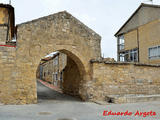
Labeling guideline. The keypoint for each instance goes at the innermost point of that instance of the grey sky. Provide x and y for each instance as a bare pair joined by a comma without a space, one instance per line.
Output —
103,16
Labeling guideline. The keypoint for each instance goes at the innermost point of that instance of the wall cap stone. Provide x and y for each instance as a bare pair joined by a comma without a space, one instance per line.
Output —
124,63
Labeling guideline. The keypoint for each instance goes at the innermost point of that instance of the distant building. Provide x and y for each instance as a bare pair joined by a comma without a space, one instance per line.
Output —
7,24
51,69
138,40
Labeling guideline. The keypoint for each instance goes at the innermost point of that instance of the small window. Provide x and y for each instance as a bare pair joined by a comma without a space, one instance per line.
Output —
126,56
159,50
55,76
122,56
134,55
55,61
121,42
154,52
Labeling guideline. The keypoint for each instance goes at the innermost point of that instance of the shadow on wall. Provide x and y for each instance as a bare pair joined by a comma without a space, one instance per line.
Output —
62,72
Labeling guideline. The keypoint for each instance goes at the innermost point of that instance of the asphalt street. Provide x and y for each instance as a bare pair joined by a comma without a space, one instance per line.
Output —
53,105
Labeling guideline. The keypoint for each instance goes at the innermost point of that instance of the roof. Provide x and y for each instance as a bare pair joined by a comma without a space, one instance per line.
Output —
47,59
44,60
142,5
68,16
6,5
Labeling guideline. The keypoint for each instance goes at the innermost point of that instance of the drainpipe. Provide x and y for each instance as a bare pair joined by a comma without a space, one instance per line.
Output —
138,43
58,70
118,49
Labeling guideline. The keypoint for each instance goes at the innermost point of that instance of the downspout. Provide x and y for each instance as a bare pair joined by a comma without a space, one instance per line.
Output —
118,58
138,43
58,68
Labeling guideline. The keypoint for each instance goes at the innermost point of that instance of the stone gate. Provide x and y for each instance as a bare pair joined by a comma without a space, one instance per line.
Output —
35,39
86,74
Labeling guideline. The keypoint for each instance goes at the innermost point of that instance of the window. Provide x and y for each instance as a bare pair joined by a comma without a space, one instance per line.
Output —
154,52
55,61
129,56
55,76
55,79
121,42
134,55
121,57
126,56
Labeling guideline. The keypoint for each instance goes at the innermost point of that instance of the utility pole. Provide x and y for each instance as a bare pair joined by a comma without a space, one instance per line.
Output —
10,2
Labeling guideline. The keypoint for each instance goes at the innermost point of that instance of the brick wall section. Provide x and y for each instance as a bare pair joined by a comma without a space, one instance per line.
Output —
121,79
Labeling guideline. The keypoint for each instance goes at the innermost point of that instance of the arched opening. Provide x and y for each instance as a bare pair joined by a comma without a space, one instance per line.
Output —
61,72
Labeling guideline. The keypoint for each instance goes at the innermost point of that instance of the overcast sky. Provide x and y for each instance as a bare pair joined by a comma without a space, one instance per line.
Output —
103,16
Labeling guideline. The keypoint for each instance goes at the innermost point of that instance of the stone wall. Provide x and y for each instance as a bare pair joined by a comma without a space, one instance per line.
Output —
58,32
8,83
48,69
3,34
118,80
72,78
36,39
98,80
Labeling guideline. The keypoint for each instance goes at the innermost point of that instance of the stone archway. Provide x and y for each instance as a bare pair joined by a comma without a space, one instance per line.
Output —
73,74
37,38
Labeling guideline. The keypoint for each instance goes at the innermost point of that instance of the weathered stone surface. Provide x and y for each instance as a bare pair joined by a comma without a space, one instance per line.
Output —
35,39
7,75
52,69
95,80
72,78
3,34
116,80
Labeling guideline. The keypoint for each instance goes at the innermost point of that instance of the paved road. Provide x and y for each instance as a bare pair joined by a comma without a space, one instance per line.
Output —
56,106
46,94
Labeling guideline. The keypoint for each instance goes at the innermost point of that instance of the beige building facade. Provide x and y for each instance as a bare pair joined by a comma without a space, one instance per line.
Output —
138,40
51,69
